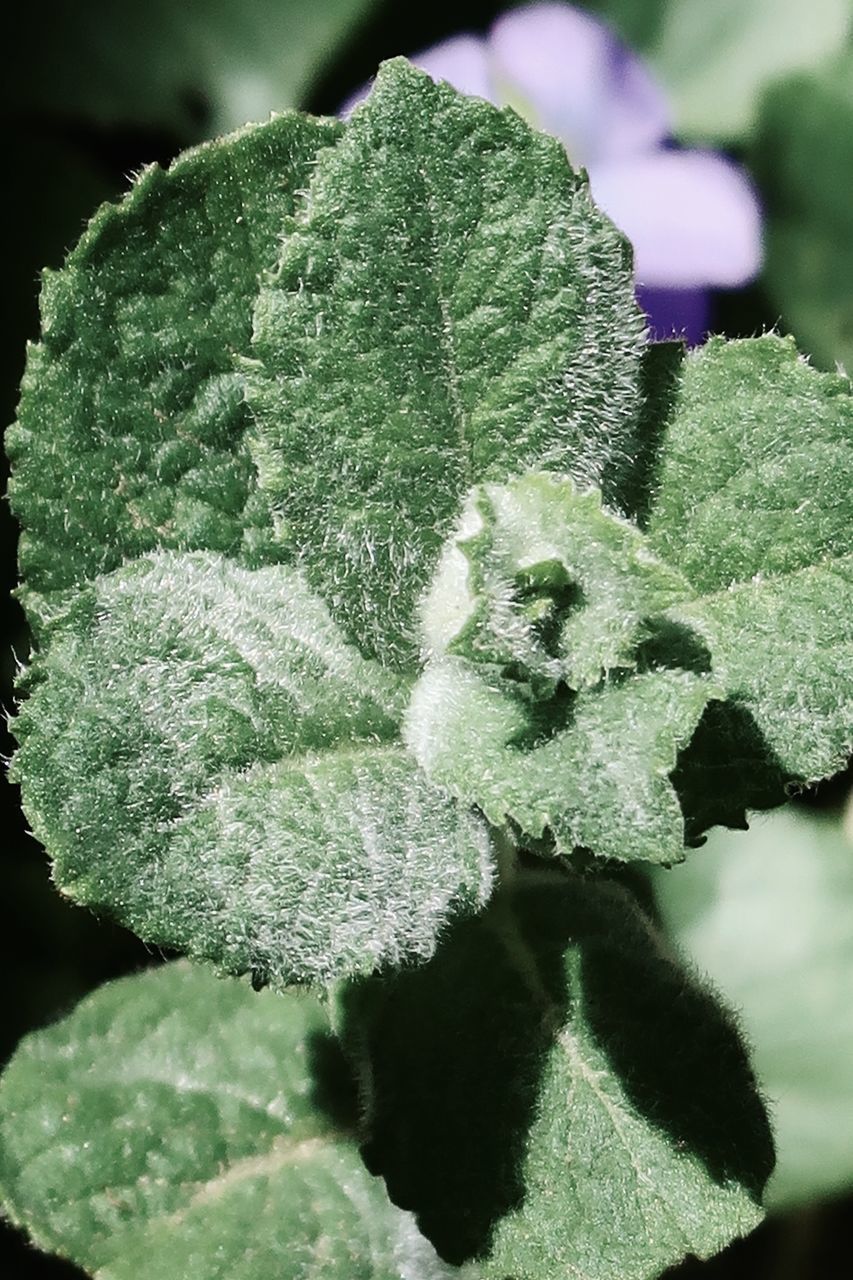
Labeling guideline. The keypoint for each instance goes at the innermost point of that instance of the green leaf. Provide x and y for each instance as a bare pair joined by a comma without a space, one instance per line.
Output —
210,761
700,47
769,917
783,650
754,506
528,707
756,471
132,417
449,307
553,1095
171,1126
601,783
801,156
539,576
201,65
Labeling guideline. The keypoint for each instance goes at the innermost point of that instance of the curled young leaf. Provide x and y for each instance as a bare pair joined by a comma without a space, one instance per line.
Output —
531,705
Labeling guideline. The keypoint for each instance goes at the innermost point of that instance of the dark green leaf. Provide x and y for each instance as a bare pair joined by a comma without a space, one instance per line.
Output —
449,307
553,1095
131,423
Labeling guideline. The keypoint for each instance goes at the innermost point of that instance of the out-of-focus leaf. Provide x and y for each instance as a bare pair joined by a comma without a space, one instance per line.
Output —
716,57
201,65
803,157
768,916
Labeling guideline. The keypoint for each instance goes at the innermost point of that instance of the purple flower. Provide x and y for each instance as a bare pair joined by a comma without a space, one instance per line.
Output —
692,216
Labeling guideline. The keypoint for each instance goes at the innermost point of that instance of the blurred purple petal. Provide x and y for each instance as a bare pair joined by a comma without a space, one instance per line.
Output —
691,216
572,77
677,313
462,62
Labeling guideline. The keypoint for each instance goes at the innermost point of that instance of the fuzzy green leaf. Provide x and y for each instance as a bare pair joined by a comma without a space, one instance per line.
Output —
132,415
554,1096
769,917
171,1127
449,307
754,505
782,648
209,760
756,474
531,705
202,65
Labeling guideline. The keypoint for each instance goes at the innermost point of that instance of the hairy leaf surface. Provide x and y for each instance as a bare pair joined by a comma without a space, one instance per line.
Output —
205,756
132,415
601,782
782,647
540,578
756,473
552,1095
531,705
170,1126
449,307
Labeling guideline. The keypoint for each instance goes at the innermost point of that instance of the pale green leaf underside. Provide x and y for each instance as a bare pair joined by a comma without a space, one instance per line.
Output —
168,1128
756,474
132,416
769,917
449,307
553,1095
201,64
208,759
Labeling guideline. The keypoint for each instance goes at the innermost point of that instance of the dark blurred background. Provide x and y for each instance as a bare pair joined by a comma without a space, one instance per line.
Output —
61,161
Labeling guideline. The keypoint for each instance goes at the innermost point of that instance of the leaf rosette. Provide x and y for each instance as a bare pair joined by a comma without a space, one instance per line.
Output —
285,699
288,706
